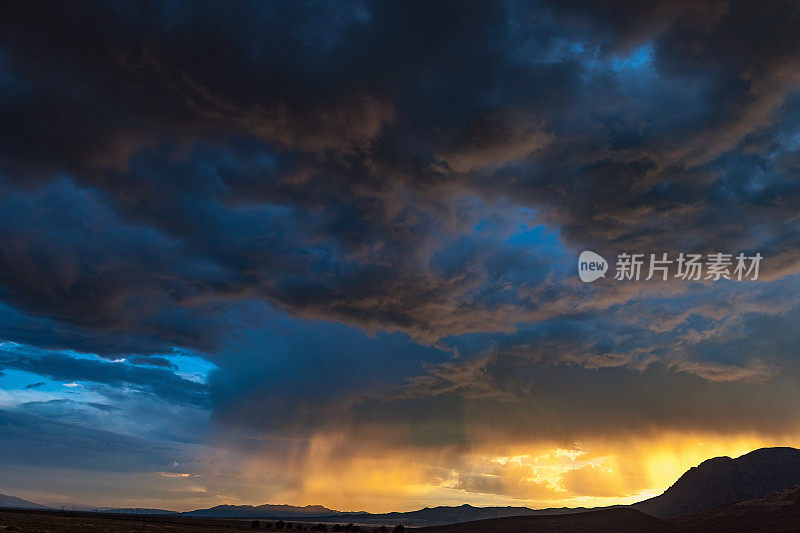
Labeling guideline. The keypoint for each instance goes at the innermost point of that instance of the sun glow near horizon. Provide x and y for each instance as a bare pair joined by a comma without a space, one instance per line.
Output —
591,473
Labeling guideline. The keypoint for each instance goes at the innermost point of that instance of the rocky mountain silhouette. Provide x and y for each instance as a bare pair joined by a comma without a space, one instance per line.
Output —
723,480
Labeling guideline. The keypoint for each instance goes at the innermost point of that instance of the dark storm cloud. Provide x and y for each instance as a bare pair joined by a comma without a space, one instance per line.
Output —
262,149
170,172
68,257
564,380
285,373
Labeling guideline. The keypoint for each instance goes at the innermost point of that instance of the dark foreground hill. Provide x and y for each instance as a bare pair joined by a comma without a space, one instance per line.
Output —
613,520
778,512
722,481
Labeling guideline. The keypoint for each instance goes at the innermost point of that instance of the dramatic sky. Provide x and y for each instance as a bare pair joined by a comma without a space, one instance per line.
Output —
326,253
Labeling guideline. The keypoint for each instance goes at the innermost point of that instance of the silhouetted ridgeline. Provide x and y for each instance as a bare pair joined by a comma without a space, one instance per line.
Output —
12,502
264,511
136,511
723,480
428,516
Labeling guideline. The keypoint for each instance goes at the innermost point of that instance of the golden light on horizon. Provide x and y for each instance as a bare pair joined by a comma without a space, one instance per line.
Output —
594,472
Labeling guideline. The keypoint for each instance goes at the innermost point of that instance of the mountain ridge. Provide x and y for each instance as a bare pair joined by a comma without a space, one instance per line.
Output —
12,502
266,510
725,480
427,516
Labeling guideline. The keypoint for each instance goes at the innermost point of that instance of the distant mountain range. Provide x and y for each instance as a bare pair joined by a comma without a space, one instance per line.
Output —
423,517
12,502
134,510
263,511
445,515
723,480
706,488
